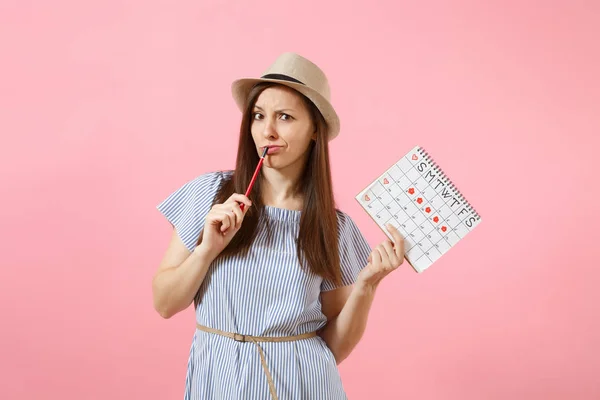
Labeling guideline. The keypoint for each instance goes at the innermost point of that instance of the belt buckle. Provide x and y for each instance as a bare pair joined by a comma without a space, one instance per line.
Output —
239,337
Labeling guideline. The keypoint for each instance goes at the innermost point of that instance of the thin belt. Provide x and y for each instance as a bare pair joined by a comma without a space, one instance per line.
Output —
255,339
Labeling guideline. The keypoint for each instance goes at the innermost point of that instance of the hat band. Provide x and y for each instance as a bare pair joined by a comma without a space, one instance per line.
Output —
282,77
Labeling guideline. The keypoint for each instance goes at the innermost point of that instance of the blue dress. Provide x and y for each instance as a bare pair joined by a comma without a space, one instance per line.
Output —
265,293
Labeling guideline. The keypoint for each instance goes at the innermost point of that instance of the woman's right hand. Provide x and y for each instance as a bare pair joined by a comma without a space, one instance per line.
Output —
222,222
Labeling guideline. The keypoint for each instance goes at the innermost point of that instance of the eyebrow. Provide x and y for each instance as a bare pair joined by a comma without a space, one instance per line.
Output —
277,111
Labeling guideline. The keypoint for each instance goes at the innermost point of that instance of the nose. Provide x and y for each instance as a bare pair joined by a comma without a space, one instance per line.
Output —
269,130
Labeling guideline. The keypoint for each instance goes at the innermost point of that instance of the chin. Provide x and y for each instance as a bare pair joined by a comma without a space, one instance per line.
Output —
272,165
276,164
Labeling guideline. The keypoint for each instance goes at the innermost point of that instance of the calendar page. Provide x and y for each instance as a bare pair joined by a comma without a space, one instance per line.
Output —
416,196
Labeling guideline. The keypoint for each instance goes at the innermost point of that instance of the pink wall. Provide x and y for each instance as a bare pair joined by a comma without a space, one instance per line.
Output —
107,107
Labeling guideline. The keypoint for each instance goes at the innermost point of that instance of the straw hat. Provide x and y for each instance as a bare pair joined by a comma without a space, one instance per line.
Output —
295,71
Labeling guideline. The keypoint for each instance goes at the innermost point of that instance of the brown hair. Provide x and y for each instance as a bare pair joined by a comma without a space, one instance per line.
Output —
317,242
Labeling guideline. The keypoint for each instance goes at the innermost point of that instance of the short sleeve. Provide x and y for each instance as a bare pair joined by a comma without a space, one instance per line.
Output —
186,207
354,252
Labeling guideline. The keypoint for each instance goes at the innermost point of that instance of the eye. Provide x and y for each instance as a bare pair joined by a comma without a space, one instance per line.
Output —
287,117
256,115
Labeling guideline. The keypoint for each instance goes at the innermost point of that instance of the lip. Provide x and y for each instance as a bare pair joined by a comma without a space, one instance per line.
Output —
273,149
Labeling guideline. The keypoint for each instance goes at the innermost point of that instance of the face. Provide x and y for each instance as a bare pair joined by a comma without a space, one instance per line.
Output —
282,121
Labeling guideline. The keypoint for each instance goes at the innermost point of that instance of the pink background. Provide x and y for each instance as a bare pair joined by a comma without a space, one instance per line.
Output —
106,107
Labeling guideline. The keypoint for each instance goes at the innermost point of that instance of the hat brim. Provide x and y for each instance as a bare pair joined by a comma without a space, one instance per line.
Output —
240,89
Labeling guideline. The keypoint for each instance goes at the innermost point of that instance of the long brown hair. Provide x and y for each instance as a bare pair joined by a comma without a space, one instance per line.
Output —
317,244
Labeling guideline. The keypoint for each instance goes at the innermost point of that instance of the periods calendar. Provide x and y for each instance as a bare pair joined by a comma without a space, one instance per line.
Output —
419,199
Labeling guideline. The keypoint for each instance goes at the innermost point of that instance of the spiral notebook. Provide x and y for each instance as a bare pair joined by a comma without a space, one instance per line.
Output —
416,196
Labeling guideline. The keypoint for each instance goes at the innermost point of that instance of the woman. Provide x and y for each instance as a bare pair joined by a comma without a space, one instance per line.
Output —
281,280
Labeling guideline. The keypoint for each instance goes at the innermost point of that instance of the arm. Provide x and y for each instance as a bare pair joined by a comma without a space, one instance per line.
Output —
347,308
181,272
179,277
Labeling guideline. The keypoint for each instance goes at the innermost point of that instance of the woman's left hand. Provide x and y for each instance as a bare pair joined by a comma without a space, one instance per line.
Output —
384,258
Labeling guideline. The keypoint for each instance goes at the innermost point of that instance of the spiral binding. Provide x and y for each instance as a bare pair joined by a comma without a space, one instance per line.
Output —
447,180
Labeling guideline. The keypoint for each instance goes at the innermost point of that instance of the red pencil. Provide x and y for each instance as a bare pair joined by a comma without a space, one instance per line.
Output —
256,171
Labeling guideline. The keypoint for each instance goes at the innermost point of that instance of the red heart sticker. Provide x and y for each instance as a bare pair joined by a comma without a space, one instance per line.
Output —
444,229
436,219
428,209
411,191
385,181
414,157
419,200
367,198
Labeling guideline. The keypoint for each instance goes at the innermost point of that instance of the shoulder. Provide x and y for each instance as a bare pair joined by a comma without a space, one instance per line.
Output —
349,233
354,251
344,220
197,192
186,207
208,179
205,184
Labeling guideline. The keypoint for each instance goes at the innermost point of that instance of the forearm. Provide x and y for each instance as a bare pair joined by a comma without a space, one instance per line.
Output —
344,332
174,288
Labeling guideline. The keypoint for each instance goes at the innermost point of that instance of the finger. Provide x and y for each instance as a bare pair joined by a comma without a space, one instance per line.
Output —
238,213
231,216
392,258
376,255
371,257
396,235
240,198
398,240
380,256
225,220
214,215
385,259
225,210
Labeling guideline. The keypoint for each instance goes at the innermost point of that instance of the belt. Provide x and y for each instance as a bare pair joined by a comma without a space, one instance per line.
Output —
255,339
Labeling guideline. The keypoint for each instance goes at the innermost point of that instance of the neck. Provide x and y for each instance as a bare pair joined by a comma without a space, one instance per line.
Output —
279,187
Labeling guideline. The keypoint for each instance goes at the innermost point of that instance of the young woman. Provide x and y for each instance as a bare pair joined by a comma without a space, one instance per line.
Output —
281,280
